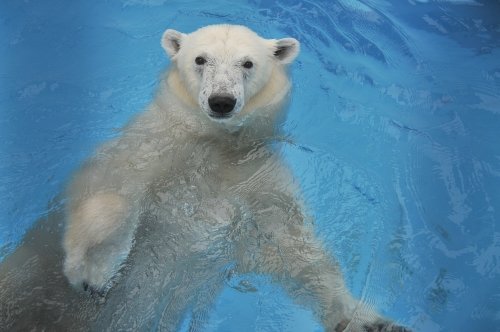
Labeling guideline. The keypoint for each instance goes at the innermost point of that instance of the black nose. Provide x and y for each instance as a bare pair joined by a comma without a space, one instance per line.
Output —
221,105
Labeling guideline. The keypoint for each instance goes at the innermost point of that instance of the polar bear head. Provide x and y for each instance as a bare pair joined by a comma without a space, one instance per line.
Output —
224,68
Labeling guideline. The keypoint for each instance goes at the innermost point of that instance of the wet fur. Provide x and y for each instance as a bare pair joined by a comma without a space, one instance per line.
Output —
156,217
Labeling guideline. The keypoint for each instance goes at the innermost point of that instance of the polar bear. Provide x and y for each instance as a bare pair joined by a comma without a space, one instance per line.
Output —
198,169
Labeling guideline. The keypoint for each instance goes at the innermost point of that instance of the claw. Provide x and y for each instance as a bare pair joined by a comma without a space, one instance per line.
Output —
384,327
342,326
92,290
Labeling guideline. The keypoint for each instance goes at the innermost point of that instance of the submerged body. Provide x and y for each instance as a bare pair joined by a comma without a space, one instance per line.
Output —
191,188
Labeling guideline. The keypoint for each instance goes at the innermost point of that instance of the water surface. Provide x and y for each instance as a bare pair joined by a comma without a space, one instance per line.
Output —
393,130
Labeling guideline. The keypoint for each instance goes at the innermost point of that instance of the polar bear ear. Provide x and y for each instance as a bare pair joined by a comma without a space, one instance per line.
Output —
286,49
171,41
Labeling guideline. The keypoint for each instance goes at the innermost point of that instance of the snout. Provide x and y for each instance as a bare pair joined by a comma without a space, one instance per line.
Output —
221,105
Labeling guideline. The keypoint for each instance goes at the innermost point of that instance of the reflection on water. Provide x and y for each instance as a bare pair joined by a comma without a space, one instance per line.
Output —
393,128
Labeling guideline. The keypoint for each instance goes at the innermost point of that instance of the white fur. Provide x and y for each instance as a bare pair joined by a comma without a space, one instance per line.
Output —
224,72
228,168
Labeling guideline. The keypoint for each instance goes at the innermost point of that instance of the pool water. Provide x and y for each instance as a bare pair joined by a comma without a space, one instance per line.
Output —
393,134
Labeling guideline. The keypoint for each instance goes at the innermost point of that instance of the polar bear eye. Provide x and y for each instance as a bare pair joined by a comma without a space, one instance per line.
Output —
248,64
200,60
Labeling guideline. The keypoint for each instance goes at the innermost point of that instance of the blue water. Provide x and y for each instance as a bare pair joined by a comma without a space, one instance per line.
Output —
394,127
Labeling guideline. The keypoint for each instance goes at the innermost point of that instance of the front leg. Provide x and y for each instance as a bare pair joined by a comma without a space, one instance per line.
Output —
102,210
97,240
287,249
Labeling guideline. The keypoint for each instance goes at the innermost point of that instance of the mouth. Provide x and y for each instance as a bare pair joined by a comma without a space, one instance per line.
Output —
220,116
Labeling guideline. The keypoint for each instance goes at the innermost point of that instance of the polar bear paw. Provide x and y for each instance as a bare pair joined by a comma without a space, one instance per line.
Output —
376,326
96,242
89,276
